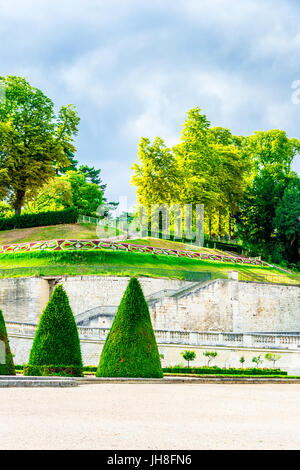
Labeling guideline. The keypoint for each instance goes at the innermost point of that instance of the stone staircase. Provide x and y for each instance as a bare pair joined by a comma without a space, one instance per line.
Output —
109,311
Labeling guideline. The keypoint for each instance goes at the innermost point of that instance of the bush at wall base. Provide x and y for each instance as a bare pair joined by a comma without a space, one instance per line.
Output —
8,368
56,345
222,371
51,370
130,349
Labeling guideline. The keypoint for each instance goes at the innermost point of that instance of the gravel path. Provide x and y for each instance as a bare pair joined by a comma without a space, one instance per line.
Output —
158,417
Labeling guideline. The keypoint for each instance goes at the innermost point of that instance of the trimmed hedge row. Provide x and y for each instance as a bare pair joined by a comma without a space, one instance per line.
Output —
67,216
64,371
219,370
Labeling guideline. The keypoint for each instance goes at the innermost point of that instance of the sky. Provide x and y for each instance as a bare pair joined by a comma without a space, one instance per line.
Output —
134,68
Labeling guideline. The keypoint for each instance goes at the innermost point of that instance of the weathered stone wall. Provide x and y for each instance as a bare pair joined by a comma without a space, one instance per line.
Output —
228,305
87,292
220,305
23,299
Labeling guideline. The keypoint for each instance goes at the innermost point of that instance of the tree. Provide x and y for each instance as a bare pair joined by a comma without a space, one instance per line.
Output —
156,175
272,357
188,356
257,360
86,197
130,349
211,355
56,342
287,220
92,176
33,139
8,368
268,222
242,360
54,196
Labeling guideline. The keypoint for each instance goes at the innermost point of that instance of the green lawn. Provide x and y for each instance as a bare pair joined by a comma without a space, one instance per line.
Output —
80,231
110,262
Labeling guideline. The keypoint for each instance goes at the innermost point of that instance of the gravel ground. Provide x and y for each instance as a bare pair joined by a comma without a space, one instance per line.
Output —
146,416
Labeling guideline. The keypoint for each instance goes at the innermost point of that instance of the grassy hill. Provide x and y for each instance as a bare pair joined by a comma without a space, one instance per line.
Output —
78,231
110,262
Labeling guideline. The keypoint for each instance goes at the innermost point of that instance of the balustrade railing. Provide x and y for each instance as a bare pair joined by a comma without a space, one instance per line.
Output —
188,338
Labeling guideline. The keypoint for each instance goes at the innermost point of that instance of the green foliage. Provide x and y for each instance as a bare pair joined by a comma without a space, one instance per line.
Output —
130,349
242,360
189,356
41,219
211,355
257,360
56,341
287,221
8,368
86,197
59,370
272,358
222,371
207,167
120,263
269,217
33,140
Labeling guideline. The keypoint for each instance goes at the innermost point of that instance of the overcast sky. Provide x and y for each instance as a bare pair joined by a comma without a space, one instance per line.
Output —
134,68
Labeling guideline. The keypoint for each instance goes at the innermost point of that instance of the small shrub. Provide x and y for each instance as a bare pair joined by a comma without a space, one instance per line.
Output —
211,355
272,358
257,360
242,360
189,356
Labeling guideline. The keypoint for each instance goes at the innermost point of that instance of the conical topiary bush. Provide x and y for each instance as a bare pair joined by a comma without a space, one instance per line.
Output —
8,368
130,349
56,345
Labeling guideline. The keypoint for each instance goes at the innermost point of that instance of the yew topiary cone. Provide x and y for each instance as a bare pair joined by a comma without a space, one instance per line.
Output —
8,368
56,346
130,349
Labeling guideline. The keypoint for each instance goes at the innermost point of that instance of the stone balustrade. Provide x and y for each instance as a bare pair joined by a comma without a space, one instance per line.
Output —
189,338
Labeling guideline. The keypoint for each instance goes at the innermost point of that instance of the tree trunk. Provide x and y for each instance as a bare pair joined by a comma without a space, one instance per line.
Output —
229,225
19,199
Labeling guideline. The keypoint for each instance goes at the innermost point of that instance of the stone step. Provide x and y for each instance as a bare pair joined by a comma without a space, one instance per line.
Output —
20,381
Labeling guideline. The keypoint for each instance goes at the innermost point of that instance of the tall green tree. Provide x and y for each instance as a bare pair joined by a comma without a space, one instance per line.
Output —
156,174
33,139
287,220
266,206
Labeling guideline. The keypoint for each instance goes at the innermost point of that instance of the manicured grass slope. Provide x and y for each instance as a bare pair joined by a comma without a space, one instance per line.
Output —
73,231
110,262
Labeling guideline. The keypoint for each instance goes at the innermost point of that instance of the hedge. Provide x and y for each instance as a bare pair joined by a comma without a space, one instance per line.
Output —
51,370
67,216
130,349
56,340
226,371
8,368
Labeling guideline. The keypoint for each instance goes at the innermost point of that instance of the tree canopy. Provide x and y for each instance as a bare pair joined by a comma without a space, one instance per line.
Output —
34,140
